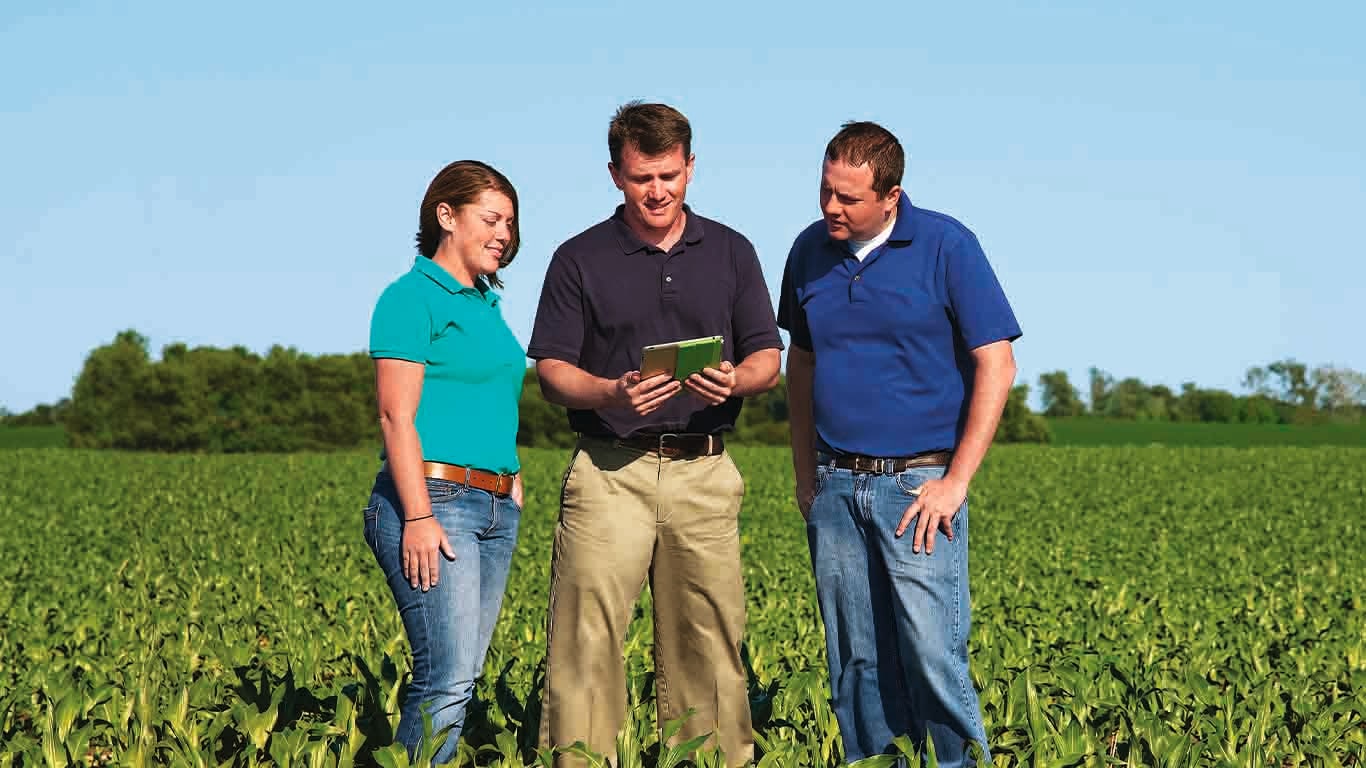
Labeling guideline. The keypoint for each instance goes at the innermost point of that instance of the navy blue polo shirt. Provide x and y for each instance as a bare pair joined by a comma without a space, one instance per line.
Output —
607,294
892,335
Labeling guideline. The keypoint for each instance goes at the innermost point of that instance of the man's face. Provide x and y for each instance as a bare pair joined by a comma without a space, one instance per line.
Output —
850,207
654,186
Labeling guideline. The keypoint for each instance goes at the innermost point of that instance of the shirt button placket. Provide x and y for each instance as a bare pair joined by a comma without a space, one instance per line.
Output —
667,286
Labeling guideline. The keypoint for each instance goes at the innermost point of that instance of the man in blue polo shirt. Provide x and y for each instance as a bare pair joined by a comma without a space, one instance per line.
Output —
899,367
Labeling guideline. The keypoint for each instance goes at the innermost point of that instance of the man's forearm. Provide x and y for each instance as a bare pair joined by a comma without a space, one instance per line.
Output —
757,373
568,385
991,381
800,373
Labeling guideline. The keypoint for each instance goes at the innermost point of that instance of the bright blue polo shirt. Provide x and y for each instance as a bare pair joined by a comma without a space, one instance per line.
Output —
892,335
474,365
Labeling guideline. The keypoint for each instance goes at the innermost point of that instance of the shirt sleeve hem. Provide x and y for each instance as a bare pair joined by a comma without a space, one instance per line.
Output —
991,337
393,354
550,353
759,346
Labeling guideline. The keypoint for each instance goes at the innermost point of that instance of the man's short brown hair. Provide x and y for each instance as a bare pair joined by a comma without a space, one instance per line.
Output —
653,129
860,142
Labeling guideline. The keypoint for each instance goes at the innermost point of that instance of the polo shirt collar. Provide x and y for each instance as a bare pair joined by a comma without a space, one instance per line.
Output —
630,242
441,277
903,231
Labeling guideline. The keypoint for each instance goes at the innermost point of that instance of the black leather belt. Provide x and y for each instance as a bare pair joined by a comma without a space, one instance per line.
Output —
883,466
675,446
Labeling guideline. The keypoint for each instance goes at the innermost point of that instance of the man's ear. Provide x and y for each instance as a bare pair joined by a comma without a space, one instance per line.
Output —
892,198
612,169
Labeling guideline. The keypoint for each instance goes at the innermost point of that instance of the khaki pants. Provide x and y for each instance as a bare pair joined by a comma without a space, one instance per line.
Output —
626,515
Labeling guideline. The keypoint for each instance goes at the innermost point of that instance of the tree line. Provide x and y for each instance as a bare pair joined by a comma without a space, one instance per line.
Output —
207,399
1282,392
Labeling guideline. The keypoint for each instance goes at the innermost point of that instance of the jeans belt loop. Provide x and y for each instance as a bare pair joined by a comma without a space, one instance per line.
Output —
888,465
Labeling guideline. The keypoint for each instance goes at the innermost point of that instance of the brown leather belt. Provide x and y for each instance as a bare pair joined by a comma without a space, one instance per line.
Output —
675,446
494,483
858,463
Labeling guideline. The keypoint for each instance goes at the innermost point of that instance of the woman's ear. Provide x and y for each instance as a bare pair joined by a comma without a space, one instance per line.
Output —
445,216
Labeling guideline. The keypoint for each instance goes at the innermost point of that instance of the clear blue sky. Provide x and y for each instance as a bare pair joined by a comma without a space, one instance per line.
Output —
1167,190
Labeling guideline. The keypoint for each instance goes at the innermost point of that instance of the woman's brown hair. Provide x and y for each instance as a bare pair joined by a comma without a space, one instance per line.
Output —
457,185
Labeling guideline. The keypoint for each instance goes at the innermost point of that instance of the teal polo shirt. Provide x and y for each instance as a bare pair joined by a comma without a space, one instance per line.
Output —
473,382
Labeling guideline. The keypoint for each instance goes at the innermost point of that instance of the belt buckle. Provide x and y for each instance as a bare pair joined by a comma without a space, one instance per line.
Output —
665,451
874,465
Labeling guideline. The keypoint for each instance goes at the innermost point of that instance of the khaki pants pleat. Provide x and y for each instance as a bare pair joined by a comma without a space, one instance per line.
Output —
626,517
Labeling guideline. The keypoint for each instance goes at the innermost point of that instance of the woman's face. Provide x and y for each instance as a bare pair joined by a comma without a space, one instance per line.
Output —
477,234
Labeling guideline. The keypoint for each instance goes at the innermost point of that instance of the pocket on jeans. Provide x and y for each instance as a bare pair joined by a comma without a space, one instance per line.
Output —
910,480
442,491
371,523
822,479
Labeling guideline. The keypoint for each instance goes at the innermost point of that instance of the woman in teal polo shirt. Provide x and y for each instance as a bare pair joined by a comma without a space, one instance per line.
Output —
443,514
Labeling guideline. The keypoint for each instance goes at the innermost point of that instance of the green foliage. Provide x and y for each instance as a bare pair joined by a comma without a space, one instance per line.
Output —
216,400
42,415
1018,423
32,437
1060,399
1132,606
1090,431
542,425
209,400
1284,392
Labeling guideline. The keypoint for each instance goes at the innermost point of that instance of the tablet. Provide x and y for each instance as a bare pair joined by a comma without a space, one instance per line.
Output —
681,358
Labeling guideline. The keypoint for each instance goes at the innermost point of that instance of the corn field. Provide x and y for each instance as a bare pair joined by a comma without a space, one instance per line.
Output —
1132,606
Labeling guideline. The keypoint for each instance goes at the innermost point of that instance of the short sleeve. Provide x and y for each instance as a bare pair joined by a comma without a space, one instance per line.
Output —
558,332
791,316
975,296
752,324
401,326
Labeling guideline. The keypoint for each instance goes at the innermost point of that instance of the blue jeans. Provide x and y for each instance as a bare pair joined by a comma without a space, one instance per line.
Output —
450,625
896,621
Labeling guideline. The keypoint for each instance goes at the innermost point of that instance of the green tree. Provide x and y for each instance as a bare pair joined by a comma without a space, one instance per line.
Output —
1061,400
1341,391
207,399
1159,404
106,411
1018,423
1288,381
1100,384
41,415
1257,409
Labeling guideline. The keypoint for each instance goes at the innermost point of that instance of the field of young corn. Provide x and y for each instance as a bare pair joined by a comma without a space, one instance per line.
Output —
1133,606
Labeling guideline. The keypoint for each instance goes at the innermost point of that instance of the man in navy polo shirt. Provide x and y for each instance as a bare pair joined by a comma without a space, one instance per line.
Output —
899,369
651,492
